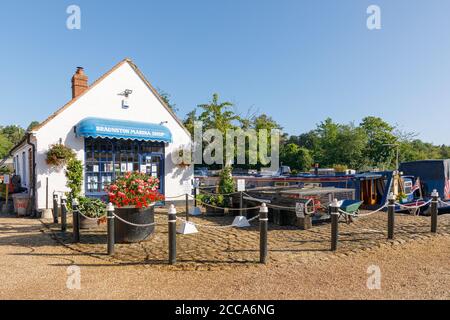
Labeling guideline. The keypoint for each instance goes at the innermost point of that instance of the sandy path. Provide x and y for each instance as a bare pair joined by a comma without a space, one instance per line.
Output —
32,266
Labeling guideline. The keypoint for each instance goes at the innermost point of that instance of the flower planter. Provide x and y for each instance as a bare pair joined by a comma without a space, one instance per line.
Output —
214,212
86,223
125,233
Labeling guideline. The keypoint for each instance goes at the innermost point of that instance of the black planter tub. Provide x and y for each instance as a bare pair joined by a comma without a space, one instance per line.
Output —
125,233
86,223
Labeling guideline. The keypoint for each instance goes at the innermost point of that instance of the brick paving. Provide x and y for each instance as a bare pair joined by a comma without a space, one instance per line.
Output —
223,248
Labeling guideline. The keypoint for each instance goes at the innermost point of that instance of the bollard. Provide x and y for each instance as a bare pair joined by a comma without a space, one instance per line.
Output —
263,226
55,208
241,204
434,210
75,221
334,224
63,213
187,207
110,226
172,220
391,215
195,196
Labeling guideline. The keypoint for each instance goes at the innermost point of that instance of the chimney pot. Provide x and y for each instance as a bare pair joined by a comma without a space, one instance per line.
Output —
79,82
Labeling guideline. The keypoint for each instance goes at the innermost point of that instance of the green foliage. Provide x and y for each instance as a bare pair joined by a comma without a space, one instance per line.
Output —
340,167
189,121
74,175
59,155
5,146
32,125
13,133
218,115
5,170
379,133
166,98
297,158
226,182
215,200
91,207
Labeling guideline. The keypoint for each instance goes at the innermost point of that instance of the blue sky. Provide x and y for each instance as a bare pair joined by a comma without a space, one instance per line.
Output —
297,61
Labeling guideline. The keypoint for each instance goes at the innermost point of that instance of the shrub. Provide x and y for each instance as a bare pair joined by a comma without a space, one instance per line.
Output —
74,175
91,207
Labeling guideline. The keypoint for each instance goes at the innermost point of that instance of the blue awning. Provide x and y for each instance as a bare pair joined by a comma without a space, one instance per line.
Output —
107,128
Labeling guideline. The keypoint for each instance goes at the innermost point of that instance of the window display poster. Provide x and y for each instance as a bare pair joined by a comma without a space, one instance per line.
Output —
123,167
143,168
95,168
130,166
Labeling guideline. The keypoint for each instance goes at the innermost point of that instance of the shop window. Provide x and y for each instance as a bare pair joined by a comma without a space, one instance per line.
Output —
99,164
105,159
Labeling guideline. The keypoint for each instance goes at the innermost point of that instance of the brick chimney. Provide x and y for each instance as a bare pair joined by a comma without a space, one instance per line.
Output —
79,82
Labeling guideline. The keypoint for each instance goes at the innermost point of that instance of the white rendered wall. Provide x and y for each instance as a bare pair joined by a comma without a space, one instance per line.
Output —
103,101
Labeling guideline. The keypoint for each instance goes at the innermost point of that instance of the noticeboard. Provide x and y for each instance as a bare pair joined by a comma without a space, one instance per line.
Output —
241,185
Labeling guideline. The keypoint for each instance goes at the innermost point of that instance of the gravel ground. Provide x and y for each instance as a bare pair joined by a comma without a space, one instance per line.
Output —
34,266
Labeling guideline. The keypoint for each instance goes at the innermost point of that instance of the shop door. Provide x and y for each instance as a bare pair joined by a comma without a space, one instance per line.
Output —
153,165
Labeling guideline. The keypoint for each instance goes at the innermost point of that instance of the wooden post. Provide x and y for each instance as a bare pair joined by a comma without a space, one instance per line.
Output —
434,210
334,224
172,220
391,216
263,230
110,217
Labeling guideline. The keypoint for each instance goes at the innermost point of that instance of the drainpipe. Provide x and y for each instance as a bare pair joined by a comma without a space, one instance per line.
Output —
33,180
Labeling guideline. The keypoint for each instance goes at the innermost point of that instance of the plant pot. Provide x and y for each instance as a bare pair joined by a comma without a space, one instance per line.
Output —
125,233
86,223
215,212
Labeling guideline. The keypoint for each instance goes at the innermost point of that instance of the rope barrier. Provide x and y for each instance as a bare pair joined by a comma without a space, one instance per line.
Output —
443,202
215,227
90,218
363,214
219,194
176,197
413,207
230,209
134,224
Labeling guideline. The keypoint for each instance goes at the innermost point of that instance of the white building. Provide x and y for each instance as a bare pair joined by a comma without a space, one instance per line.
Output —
117,124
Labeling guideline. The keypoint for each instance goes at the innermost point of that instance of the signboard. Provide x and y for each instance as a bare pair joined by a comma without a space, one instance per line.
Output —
6,179
300,209
196,183
187,187
241,185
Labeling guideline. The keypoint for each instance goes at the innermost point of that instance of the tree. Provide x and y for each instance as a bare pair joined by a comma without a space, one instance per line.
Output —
32,125
5,146
189,121
166,98
218,115
297,158
379,134
13,133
